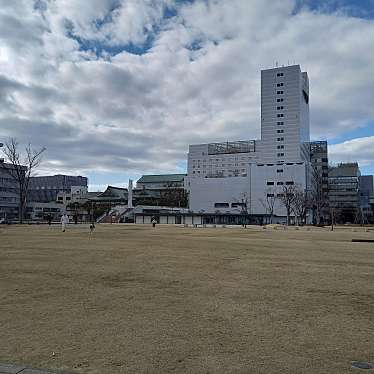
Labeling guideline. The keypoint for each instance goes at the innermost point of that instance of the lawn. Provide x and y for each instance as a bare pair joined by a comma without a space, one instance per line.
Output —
132,299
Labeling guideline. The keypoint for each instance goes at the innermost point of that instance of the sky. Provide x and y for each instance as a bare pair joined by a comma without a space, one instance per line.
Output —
119,88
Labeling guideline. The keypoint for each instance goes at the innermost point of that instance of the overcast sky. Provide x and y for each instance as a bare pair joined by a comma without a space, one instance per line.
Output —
118,88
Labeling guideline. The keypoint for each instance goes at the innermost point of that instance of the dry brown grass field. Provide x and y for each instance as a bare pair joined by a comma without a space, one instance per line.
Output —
131,299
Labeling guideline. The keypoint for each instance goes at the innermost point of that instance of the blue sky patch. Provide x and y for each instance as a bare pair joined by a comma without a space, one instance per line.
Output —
361,132
353,8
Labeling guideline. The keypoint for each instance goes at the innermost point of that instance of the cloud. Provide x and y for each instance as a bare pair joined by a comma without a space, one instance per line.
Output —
68,79
360,150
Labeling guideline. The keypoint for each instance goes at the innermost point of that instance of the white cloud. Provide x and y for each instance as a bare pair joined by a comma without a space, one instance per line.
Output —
360,150
199,81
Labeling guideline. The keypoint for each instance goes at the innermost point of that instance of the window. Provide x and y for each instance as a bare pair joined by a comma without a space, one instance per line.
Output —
280,139
270,183
280,75
280,115
280,131
279,84
279,100
279,170
280,183
222,205
280,92
237,205
280,154
290,183
280,147
280,123
280,107
270,195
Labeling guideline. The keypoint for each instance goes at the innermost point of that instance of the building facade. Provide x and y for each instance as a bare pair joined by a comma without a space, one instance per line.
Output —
9,197
366,197
224,176
164,189
45,189
344,188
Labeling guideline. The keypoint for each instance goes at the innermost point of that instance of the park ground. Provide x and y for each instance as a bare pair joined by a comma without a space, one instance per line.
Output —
132,299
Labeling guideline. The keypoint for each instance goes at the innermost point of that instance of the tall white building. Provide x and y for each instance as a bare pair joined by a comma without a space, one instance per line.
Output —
284,114
220,175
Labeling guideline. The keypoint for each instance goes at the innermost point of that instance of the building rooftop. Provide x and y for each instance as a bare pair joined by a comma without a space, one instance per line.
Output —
162,178
350,169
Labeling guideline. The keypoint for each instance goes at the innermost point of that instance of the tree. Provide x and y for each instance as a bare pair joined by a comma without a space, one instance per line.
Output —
300,205
268,202
287,197
21,168
243,202
318,194
173,196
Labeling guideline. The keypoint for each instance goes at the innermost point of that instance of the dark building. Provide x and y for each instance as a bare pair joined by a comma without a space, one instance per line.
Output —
9,197
366,197
344,191
320,162
319,179
45,188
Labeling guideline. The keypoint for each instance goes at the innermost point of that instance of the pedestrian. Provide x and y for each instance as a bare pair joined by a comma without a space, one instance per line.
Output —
64,222
92,227
49,219
154,221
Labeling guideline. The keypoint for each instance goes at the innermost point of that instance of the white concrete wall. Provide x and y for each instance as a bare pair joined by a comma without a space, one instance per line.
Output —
200,164
261,175
206,192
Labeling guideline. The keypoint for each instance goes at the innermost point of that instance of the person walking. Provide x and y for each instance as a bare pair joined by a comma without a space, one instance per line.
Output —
154,221
64,222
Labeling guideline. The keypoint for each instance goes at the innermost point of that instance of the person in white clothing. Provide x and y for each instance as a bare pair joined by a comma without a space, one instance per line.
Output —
64,222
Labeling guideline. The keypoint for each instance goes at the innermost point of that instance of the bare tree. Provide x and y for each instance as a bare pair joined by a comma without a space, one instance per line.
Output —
243,203
287,197
318,194
300,205
268,202
21,169
333,217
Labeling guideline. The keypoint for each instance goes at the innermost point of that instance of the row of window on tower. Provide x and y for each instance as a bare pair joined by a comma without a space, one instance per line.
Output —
280,147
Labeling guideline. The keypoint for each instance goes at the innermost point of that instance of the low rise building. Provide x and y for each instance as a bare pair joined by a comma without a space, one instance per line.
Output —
9,197
163,189
45,189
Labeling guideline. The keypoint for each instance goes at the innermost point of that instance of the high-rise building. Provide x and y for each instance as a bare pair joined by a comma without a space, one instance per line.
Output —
344,187
284,114
220,175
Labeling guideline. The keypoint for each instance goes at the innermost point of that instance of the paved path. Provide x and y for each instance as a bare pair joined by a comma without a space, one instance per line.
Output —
19,369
